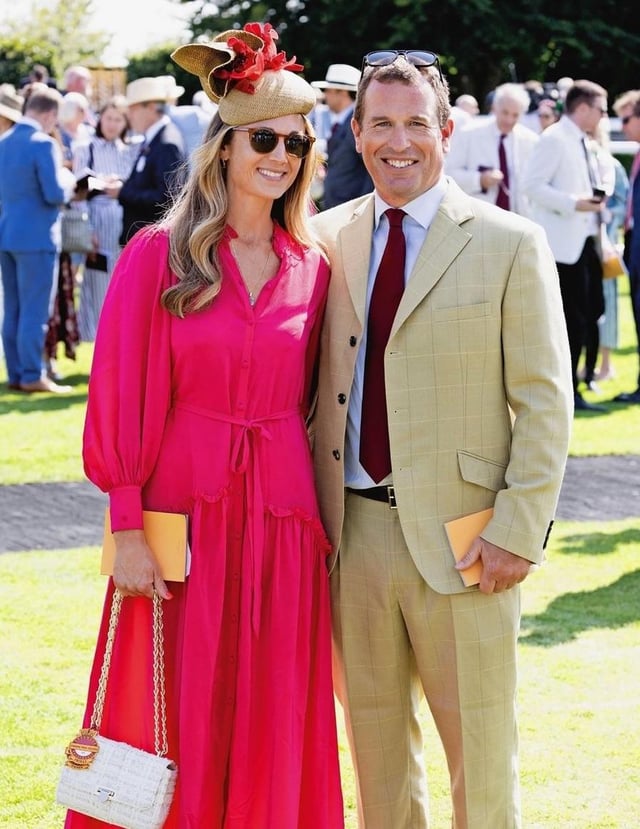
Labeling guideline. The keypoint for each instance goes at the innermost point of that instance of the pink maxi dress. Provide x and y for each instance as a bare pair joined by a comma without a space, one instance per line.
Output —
206,416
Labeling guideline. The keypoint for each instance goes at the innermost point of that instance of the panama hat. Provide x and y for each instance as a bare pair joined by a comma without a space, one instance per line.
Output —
10,103
340,76
242,72
173,89
144,90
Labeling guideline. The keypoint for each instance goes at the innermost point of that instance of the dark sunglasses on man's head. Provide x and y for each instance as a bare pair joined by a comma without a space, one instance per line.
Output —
264,140
385,57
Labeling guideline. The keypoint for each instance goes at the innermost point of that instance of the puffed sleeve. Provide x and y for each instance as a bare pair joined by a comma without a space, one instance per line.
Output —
130,383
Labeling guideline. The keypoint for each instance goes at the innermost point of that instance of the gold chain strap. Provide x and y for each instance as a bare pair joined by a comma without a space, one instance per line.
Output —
159,699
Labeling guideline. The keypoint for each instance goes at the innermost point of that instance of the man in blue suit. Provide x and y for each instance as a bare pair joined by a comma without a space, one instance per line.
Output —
629,112
31,194
346,177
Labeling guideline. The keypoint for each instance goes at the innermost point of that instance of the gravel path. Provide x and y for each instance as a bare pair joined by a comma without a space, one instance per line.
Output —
65,515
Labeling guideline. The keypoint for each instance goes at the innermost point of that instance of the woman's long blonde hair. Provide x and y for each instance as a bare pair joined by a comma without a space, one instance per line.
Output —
197,220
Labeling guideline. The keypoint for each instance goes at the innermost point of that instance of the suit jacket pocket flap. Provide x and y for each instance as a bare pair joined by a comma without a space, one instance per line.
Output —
462,312
481,471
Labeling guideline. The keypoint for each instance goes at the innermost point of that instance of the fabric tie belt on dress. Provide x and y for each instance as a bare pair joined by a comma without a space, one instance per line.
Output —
242,462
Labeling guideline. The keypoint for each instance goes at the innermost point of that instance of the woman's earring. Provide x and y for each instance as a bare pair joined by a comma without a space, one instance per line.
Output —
223,163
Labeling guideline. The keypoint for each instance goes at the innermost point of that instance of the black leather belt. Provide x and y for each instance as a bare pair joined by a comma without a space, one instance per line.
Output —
386,494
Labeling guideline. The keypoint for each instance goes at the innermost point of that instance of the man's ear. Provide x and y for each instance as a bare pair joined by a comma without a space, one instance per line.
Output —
446,132
355,128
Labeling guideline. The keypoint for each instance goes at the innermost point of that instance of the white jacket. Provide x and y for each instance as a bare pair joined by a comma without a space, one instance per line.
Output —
476,145
555,178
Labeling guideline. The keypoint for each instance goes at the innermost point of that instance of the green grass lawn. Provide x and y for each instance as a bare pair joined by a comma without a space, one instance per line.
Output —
579,682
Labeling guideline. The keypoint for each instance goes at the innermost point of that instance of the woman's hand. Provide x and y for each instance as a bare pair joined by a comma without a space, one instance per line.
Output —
135,572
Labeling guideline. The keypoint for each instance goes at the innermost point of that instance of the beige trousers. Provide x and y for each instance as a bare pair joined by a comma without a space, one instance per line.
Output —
394,639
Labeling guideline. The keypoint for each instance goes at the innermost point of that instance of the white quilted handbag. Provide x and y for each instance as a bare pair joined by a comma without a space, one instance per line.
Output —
112,781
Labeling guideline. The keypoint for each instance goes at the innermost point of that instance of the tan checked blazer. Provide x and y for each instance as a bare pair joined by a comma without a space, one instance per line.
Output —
478,379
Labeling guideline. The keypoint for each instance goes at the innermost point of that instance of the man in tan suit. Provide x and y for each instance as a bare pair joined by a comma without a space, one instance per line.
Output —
475,414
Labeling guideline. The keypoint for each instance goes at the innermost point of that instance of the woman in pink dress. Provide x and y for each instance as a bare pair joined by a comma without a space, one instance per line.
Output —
199,390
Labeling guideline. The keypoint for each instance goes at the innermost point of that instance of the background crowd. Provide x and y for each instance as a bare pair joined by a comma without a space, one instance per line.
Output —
137,146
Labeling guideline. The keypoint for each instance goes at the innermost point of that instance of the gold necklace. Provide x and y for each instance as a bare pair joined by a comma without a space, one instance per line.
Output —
252,290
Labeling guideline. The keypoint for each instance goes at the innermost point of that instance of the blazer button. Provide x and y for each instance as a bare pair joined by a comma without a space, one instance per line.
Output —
352,341
342,399
336,454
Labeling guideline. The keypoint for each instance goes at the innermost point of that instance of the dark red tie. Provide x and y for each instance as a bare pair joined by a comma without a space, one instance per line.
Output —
375,454
503,188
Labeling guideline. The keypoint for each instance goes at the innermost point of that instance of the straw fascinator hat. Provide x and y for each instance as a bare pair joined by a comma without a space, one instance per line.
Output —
244,74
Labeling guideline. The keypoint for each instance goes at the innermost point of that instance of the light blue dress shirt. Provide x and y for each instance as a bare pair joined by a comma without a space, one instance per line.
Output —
420,213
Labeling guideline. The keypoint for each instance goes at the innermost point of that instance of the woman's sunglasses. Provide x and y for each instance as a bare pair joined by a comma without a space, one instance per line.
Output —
385,57
264,140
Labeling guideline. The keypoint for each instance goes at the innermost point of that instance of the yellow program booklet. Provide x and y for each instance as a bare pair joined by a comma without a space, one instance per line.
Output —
461,532
166,535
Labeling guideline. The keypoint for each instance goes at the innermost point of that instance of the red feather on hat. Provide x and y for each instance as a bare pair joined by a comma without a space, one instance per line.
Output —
249,64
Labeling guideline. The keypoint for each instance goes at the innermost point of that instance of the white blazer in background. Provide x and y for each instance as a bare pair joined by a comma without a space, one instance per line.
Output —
476,145
555,177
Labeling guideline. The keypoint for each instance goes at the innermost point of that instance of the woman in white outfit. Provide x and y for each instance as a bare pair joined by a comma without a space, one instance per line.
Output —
110,158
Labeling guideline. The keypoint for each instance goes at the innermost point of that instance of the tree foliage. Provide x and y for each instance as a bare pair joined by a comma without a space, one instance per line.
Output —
481,42
157,61
56,37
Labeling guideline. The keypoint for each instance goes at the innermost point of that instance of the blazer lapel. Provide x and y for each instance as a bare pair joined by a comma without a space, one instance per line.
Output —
445,239
354,249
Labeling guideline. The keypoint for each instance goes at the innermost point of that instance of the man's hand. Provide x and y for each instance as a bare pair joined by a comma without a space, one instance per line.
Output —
501,570
489,178
589,205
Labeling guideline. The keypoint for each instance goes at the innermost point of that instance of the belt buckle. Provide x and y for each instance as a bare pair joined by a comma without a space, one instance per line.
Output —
391,497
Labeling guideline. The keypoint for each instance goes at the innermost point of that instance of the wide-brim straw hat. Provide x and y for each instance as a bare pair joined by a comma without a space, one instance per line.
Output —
10,103
241,72
144,90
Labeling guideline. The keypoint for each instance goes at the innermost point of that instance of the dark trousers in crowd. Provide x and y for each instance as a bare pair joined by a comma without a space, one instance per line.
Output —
582,301
634,292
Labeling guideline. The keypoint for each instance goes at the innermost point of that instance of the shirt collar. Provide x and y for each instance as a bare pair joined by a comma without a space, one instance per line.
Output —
30,122
341,117
155,128
573,128
421,209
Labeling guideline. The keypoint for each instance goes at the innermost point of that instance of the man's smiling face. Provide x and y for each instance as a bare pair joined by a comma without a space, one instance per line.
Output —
402,146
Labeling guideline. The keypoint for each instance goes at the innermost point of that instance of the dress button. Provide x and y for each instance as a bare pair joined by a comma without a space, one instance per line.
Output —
352,341
336,454
342,399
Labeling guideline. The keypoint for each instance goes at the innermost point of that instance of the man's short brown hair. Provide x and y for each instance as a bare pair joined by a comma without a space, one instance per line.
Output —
583,92
401,71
